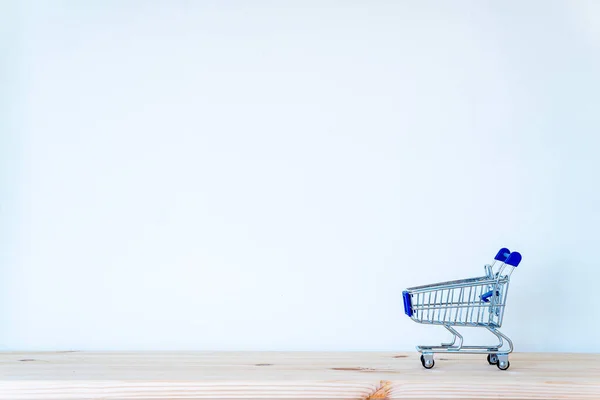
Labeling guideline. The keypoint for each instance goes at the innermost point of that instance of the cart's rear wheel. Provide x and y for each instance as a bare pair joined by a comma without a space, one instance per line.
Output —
503,365
427,363
492,359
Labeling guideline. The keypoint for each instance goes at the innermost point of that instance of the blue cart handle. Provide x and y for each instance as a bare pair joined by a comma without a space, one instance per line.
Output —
502,255
514,259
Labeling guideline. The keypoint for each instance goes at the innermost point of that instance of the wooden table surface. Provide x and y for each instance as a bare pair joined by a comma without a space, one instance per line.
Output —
295,375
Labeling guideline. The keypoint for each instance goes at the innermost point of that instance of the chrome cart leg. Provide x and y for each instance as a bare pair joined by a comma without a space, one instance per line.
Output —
444,346
454,336
499,336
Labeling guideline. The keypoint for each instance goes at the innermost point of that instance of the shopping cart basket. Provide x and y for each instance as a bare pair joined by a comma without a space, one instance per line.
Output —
475,302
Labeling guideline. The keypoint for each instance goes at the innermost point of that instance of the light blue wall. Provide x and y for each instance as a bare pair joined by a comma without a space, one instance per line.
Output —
12,104
220,175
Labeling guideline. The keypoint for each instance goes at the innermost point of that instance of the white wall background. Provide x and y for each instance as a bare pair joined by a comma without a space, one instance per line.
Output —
271,175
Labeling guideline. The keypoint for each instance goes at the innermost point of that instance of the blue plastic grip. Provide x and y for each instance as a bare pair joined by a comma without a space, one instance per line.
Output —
502,255
514,259
407,304
486,296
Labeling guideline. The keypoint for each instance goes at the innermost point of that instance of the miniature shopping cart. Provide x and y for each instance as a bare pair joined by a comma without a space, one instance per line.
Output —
475,302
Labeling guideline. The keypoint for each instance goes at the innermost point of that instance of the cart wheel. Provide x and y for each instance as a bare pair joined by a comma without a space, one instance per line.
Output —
503,365
427,364
492,359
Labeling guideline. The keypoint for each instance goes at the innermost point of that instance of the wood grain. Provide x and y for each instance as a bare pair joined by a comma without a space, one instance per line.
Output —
295,375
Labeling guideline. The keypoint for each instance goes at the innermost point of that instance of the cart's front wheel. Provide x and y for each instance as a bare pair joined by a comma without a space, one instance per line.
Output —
503,365
492,359
428,362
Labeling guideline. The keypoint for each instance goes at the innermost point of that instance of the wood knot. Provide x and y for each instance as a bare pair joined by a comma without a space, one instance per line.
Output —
382,392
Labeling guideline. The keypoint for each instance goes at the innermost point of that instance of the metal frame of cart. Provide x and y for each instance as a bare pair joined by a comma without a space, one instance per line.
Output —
475,302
